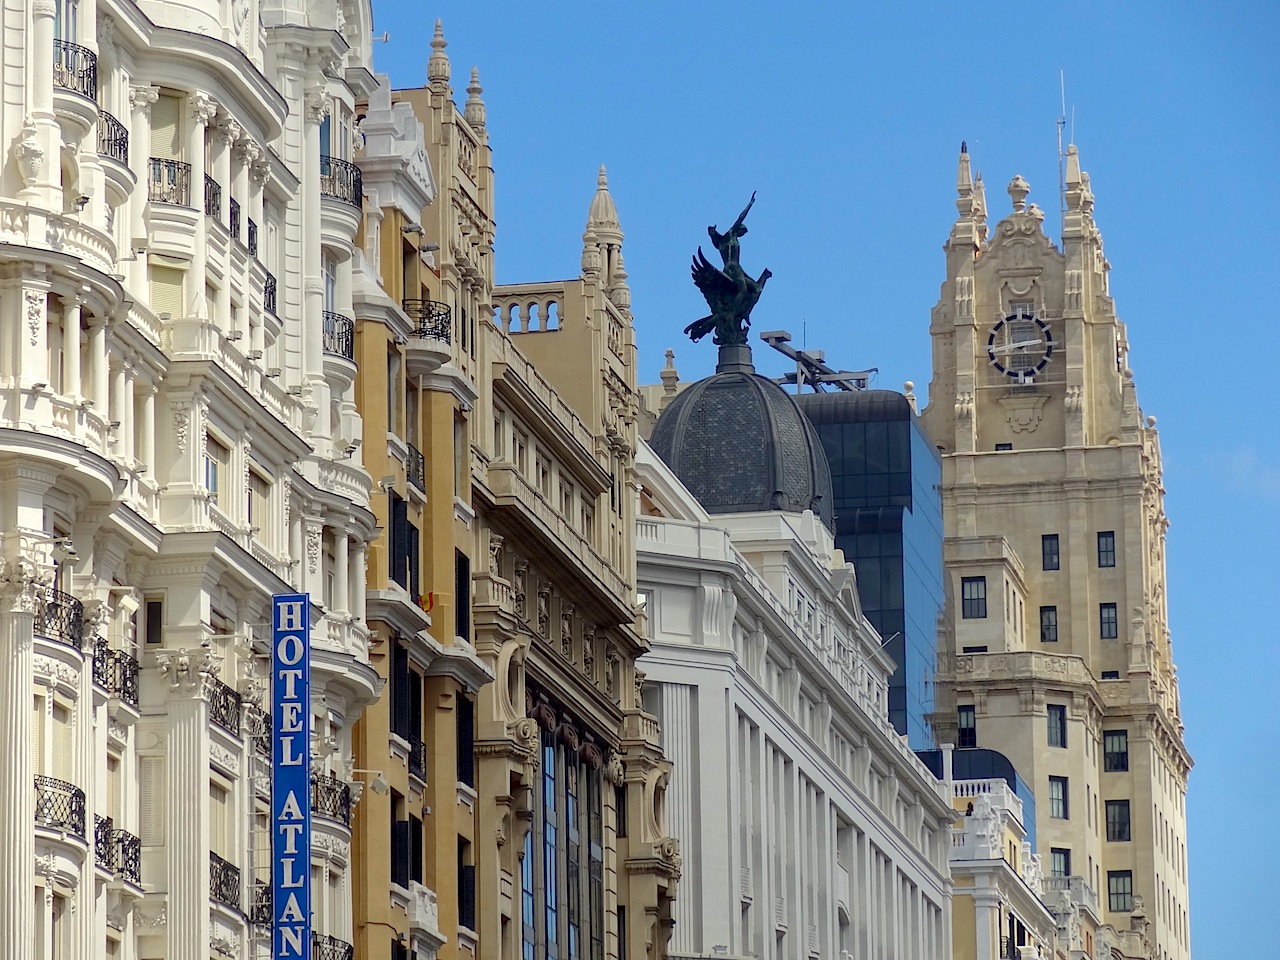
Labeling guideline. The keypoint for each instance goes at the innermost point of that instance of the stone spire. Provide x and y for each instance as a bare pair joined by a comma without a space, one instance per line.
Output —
474,109
969,231
438,62
603,216
602,239
619,291
670,377
964,183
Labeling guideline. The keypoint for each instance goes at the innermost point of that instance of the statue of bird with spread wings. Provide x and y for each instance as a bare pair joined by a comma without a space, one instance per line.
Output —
730,292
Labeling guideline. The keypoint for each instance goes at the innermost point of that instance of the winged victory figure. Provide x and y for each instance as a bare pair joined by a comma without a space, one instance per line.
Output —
730,292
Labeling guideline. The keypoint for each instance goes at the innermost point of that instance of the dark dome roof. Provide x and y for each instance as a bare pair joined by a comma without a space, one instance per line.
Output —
740,444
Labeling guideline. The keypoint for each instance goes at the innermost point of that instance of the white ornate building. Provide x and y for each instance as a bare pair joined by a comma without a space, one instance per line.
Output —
807,827
177,214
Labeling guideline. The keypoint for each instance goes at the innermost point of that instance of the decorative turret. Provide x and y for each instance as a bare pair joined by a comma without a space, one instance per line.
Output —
474,109
670,377
438,63
964,184
970,229
603,216
602,241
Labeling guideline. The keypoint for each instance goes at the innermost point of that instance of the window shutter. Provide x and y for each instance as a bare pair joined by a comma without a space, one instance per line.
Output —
466,741
400,852
165,114
462,591
399,540
151,808
415,560
400,689
37,734
218,819
62,745
166,290
415,849
113,789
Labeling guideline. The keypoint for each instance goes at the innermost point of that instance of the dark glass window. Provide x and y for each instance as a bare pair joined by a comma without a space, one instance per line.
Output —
399,534
1119,891
1110,674
973,597
1117,820
462,578
1059,807
1107,548
981,649
1059,862
1115,750
1001,447
1057,713
1108,625
466,741
968,726
1048,624
1050,559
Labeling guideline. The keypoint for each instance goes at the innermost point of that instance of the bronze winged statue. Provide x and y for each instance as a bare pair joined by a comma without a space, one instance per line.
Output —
730,292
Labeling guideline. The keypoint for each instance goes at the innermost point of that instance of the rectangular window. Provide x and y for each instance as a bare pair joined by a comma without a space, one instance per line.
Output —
1110,674
1059,862
1107,548
1050,559
462,591
259,498
1115,751
1118,821
1001,447
217,463
1059,807
1048,624
466,742
973,597
399,533
1057,713
968,726
981,649
1108,625
1119,891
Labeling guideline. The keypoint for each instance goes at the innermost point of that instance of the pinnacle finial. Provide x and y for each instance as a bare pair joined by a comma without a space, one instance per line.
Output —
1018,190
964,184
438,62
670,377
474,110
602,178
603,216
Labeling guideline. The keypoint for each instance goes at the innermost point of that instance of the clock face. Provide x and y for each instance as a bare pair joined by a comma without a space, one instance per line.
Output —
1020,346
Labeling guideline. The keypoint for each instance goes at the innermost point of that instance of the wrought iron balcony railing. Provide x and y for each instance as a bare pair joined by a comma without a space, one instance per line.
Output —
104,843
257,727
260,906
417,756
325,947
432,319
75,68
339,335
60,805
341,180
224,881
269,293
113,138
233,220
415,467
331,799
224,706
212,198
60,617
170,182
128,855
117,672
253,238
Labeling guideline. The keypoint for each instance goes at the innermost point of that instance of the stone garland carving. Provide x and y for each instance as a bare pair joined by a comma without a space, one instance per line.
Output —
153,917
187,668
313,549
29,154
35,314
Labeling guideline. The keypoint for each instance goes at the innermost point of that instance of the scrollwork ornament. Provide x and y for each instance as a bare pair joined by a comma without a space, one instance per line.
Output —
35,314
28,153
317,105
203,108
20,580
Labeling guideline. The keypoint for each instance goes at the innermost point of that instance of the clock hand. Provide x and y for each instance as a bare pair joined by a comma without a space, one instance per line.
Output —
1012,347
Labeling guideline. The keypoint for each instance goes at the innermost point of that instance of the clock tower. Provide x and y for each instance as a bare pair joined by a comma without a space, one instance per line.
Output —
1057,652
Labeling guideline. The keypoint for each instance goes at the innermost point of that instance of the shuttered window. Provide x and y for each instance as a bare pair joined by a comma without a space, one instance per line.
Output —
62,746
165,115
151,806
113,789
37,735
218,801
462,575
166,290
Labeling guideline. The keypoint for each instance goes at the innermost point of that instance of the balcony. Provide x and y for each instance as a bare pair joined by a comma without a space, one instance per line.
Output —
325,947
60,617
269,294
432,319
212,198
170,182
60,805
260,907
415,468
233,221
224,706
128,855
331,799
113,139
1078,889
75,68
417,756
341,180
253,238
339,336
224,882
116,672
104,848
258,727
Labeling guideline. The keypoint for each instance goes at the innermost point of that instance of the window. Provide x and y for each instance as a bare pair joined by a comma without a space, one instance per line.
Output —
1110,674
967,723
217,462
65,14
973,594
259,499
1048,624
981,649
462,593
1107,623
1059,808
1050,559
1059,862
1057,725
1119,891
399,533
1115,750
466,741
1118,821
1107,548
1001,447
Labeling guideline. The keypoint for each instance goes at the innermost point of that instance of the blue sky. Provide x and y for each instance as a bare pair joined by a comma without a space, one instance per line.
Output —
847,119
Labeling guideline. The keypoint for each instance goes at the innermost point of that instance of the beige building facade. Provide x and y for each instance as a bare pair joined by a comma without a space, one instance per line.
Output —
1059,654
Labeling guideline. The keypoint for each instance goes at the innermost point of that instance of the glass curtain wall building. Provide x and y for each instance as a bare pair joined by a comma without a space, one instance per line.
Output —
886,477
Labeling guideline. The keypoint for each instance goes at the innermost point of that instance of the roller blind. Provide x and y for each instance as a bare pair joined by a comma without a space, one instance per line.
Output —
165,114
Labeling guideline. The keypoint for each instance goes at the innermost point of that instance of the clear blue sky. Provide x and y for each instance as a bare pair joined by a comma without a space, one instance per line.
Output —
847,119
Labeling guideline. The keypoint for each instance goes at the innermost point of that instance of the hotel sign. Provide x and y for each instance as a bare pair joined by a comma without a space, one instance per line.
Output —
291,776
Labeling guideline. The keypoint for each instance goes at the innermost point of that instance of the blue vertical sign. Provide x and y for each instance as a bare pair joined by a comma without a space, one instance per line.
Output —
291,776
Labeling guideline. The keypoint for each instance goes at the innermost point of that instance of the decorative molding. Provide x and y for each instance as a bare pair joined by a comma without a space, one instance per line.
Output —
35,314
186,668
1023,412
203,108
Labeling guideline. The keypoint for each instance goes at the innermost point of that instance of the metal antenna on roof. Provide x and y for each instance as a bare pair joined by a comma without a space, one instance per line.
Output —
811,367
1062,182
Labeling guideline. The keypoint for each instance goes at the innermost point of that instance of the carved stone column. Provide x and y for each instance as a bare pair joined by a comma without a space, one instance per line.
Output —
141,97
315,110
202,110
71,385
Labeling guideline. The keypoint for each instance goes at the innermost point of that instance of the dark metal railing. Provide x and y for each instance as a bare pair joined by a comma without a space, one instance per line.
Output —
104,843
170,182
224,881
113,138
260,905
224,706
417,756
59,616
415,468
128,855
75,68
339,335
1008,949
257,726
269,293
341,180
212,198
233,220
432,319
331,799
253,238
325,947
60,805
116,671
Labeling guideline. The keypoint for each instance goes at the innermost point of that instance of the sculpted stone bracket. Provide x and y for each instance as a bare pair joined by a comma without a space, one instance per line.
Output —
1023,412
